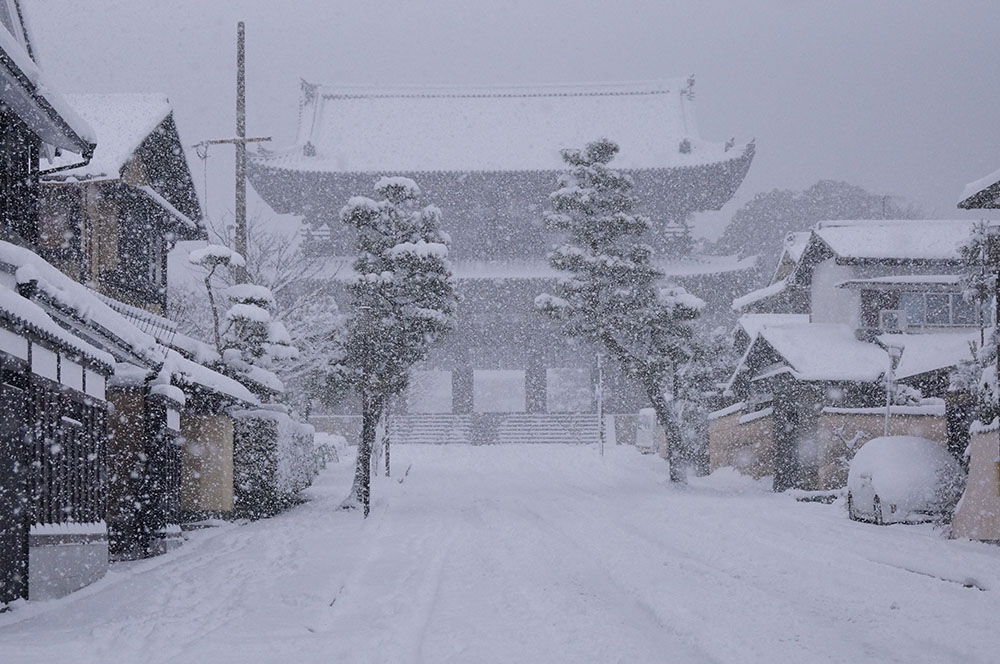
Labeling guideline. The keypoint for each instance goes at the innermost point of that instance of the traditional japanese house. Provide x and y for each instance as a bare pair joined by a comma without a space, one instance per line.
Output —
866,304
53,536
112,222
489,157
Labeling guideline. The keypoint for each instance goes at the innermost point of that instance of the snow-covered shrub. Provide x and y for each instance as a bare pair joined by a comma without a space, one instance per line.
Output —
274,457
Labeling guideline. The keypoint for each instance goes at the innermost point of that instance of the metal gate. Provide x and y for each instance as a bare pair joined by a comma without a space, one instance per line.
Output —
13,484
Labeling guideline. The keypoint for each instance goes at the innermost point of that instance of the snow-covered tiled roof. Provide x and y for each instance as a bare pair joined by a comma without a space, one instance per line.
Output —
930,351
754,323
84,303
825,351
25,89
24,313
371,129
745,301
895,239
925,281
984,193
339,267
795,244
192,373
121,122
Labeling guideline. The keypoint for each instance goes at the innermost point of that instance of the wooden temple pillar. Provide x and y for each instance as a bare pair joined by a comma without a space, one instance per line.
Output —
462,385
536,383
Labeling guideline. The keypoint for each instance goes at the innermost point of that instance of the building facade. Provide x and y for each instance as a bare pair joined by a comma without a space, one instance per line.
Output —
489,157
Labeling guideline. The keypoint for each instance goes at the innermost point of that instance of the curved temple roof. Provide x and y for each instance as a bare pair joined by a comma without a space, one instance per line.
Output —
368,129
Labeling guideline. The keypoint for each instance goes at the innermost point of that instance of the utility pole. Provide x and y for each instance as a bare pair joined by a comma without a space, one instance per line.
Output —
240,143
241,151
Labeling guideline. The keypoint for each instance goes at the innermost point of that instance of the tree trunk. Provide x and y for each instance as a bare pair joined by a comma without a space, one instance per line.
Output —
671,431
386,436
215,310
371,411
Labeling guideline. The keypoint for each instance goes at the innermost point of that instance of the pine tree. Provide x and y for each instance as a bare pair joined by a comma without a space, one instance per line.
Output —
978,279
612,295
254,344
403,302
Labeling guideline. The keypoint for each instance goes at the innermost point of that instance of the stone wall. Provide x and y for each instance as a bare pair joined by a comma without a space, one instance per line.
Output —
840,432
747,445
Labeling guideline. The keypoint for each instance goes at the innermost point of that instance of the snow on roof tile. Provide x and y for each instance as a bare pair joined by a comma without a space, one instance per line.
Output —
795,244
339,267
826,351
930,351
23,311
942,281
370,129
85,303
983,193
194,373
753,323
745,301
122,121
895,239
23,87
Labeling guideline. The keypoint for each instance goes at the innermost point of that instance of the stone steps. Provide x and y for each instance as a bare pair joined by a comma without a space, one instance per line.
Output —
493,428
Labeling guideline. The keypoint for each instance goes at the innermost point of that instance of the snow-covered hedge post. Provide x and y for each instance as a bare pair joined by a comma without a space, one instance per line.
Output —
211,257
611,295
403,302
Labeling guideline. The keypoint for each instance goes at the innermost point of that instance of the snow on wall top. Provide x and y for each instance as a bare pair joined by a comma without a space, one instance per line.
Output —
122,122
370,129
826,351
43,109
895,239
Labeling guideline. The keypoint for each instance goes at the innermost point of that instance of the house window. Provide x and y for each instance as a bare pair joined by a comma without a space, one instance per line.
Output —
941,310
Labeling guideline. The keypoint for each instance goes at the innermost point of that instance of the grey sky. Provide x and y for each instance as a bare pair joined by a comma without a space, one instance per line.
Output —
901,97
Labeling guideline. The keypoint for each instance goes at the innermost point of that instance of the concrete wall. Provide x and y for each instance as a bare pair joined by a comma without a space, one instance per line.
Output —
829,303
840,434
978,513
207,463
61,564
747,447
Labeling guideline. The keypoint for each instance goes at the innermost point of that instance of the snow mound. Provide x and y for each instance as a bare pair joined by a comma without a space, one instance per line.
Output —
911,472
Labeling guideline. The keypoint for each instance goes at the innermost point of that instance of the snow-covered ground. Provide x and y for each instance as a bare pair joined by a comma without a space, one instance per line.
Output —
535,554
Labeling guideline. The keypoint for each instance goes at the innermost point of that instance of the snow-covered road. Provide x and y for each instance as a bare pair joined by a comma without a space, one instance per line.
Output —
535,554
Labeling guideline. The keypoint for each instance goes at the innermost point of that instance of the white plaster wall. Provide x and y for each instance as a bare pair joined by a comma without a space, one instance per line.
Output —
829,303
978,513
55,570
